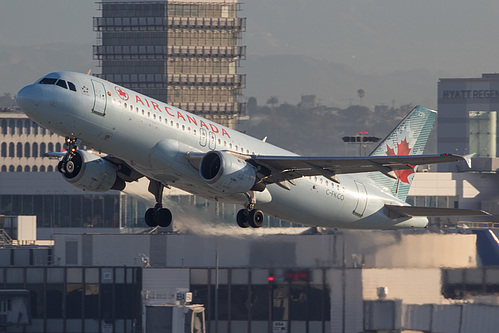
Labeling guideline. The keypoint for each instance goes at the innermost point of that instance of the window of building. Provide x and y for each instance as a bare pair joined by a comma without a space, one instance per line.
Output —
27,150
19,168
35,149
4,149
27,126
43,149
12,168
12,127
19,150
20,127
4,127
26,168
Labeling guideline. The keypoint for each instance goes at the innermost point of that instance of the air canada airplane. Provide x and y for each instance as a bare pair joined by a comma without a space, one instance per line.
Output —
144,137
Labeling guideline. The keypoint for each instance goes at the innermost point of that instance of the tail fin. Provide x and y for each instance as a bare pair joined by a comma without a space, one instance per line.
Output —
408,138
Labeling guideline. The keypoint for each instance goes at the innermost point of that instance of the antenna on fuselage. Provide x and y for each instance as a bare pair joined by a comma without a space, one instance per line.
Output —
89,71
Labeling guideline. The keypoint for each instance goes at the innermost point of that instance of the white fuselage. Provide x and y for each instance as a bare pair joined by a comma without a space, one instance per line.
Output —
153,138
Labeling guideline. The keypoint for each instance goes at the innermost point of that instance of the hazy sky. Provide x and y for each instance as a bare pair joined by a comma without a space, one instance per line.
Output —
458,37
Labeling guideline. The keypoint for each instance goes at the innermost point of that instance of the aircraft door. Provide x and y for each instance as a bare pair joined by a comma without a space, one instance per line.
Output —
360,207
100,98
203,137
213,141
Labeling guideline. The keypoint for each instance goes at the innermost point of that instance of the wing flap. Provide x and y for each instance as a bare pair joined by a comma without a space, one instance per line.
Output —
432,211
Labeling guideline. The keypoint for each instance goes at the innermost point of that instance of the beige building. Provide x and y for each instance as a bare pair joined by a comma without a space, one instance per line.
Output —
23,144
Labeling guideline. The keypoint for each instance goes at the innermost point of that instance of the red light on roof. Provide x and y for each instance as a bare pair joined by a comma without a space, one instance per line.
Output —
271,278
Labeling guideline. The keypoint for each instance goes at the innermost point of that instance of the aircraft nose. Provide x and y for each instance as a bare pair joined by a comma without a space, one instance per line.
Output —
29,97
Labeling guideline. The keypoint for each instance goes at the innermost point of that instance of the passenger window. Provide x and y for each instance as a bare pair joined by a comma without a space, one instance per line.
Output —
183,127
71,85
194,132
48,80
126,105
159,118
131,107
148,114
154,115
62,83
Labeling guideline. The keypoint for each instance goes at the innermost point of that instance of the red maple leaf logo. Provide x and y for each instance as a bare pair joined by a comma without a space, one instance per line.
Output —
123,94
402,149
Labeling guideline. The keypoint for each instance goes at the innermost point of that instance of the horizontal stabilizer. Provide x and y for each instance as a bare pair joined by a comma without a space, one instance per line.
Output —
432,211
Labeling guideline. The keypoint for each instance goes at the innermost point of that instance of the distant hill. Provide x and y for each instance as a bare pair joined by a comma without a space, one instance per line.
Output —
21,65
290,76
284,76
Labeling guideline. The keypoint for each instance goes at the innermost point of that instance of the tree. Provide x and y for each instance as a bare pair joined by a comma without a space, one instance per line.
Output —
361,93
252,105
273,101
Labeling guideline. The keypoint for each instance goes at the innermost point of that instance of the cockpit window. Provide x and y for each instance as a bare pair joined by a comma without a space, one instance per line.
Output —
71,86
48,80
62,83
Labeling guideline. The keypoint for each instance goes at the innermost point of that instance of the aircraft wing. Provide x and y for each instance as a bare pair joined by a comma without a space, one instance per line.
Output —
432,211
281,168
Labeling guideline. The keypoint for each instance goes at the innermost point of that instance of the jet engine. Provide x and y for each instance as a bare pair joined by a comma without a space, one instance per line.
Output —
90,172
228,173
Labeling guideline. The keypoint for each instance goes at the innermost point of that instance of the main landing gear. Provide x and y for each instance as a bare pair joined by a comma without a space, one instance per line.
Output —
157,216
249,216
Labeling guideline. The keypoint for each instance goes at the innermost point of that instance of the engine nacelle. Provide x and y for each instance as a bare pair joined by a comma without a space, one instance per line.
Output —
228,173
90,172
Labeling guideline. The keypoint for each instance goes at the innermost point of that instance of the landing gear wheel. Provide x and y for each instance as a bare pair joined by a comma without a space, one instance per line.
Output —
158,216
242,218
149,218
255,218
163,217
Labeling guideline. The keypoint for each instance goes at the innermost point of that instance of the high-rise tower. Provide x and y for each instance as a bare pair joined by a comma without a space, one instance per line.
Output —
185,53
